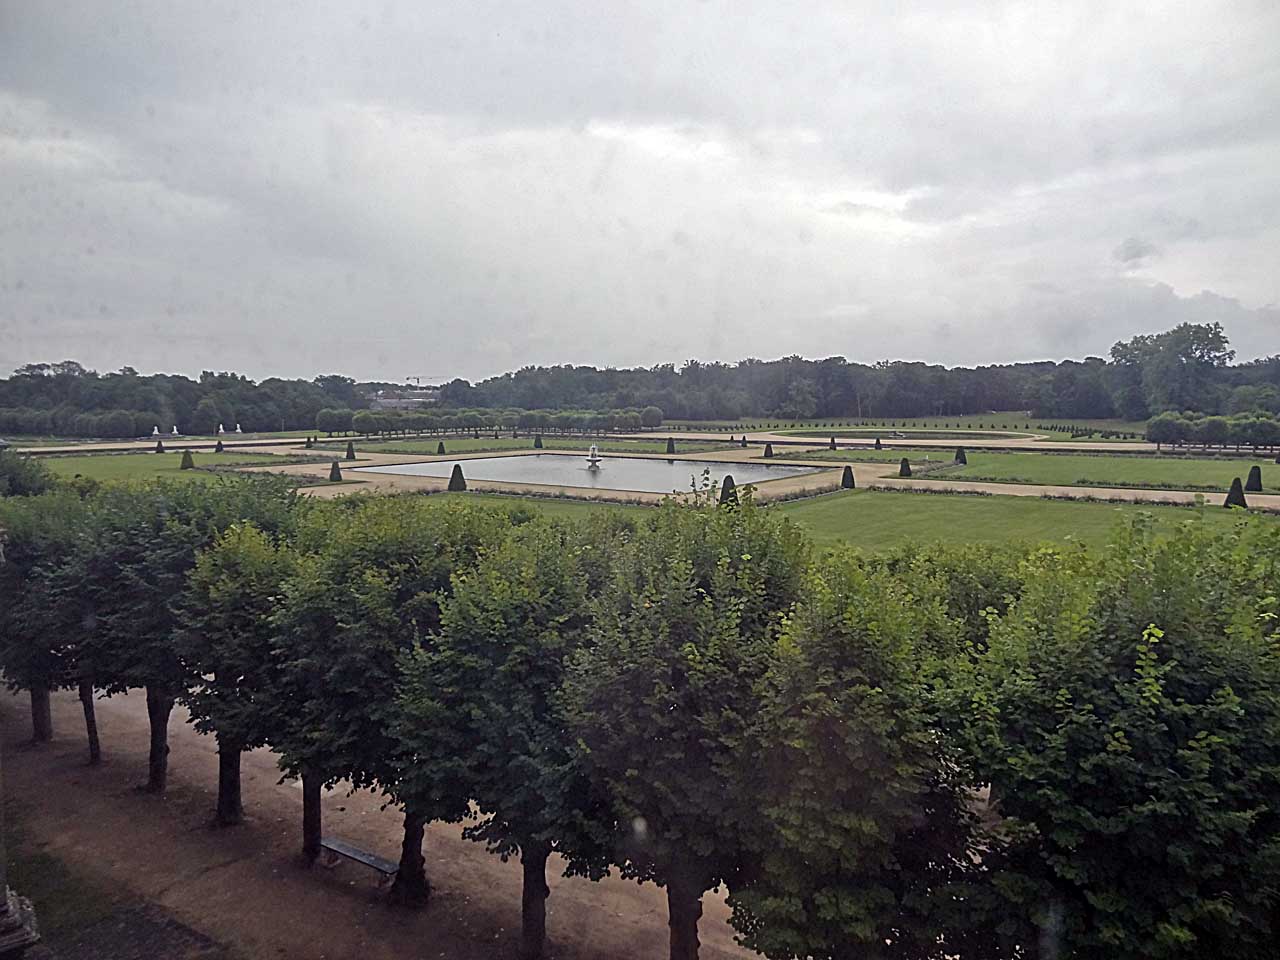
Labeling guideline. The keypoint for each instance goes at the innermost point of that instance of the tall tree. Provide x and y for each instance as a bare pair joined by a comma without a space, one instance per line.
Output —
865,843
482,717
227,643
1125,715
371,587
662,700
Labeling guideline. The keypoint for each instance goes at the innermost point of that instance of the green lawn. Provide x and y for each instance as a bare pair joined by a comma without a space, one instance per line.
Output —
428,446
1018,422
1114,471
887,455
145,466
875,520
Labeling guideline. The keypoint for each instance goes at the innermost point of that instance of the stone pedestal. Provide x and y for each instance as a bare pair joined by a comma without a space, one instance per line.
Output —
17,926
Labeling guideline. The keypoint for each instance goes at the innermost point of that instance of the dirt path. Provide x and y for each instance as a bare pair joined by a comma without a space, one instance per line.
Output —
244,886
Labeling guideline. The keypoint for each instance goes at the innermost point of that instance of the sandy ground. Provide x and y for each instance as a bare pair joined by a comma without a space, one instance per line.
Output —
244,886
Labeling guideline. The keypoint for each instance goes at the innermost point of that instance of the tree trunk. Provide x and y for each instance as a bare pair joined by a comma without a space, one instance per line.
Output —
230,808
533,901
684,908
90,721
310,817
411,887
159,706
41,717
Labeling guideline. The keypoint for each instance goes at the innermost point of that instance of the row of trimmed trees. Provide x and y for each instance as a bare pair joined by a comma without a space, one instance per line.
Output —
388,422
962,752
1256,431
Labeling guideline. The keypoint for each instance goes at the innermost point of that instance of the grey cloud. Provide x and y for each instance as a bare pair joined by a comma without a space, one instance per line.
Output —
265,187
1134,251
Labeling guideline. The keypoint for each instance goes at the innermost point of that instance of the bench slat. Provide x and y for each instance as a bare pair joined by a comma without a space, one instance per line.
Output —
344,849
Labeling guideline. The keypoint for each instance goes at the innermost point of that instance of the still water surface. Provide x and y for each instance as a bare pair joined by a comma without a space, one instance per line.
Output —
614,473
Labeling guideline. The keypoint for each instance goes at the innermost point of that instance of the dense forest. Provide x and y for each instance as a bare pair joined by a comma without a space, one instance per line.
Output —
1188,368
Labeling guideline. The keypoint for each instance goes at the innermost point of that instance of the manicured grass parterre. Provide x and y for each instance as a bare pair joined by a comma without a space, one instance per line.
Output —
1016,421
145,466
876,520
428,445
907,433
864,455
1168,472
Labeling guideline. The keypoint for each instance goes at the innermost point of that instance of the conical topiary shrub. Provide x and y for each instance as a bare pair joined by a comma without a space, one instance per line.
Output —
1254,483
768,450
728,492
476,435
846,478
744,441
1235,496
218,447
308,445
537,442
159,446
904,468
671,445
833,443
879,445
960,455
335,473
440,449
457,482
351,450
187,463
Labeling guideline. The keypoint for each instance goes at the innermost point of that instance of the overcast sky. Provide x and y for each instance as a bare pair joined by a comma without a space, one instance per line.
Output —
457,189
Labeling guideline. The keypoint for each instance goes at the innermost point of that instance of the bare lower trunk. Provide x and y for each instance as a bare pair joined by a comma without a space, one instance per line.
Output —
41,717
230,808
533,902
684,909
411,887
159,706
90,720
310,816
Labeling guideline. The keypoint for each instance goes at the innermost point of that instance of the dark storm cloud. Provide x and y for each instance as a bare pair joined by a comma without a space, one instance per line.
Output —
470,187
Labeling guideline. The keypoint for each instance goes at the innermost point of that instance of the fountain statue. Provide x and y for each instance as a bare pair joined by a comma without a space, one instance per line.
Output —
238,430
155,431
221,430
175,431
594,458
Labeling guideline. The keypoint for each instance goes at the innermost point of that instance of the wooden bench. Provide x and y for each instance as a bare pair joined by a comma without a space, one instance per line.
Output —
340,848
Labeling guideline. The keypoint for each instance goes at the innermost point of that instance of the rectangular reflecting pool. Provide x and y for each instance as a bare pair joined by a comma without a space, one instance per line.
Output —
614,473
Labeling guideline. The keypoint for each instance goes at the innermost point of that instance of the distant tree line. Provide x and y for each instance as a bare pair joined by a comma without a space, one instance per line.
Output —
1187,368
403,422
65,399
965,752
